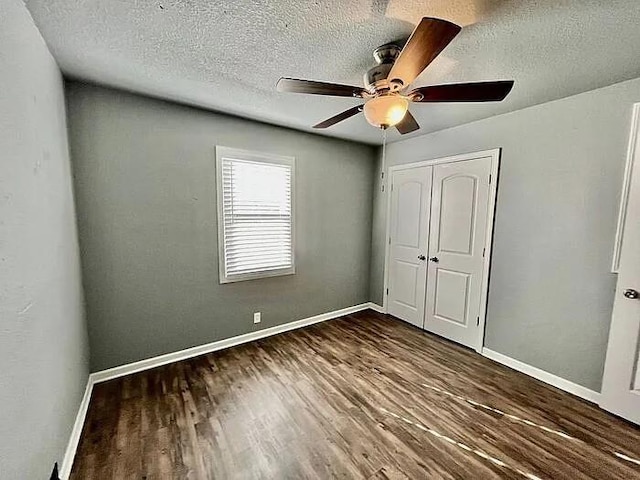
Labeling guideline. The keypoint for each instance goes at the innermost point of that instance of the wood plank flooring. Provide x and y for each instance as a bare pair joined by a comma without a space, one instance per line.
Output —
362,397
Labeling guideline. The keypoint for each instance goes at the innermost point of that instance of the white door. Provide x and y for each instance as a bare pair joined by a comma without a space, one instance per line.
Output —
621,379
409,236
459,222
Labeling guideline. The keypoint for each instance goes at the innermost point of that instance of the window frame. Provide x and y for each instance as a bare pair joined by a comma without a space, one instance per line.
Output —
223,152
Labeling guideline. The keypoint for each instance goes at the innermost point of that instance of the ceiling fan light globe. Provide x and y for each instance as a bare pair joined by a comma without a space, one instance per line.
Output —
386,111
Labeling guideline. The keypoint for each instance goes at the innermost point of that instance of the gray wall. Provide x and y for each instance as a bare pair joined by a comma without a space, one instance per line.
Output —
551,290
145,180
43,339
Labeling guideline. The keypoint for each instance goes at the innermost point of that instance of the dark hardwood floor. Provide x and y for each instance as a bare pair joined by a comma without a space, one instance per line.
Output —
365,396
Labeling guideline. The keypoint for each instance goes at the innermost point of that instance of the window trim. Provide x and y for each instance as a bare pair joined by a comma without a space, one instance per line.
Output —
252,156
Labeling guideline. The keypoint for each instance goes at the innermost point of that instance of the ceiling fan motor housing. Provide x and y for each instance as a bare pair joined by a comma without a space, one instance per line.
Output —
375,79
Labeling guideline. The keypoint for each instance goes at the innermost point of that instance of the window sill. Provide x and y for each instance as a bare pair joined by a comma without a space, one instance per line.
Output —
258,275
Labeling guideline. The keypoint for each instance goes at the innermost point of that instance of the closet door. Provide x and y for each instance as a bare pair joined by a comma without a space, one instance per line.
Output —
459,218
409,236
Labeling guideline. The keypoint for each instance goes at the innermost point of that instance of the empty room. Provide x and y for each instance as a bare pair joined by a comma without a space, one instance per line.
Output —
363,239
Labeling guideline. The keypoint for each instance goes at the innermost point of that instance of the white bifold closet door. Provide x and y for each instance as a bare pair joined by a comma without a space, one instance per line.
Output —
408,240
459,211
438,226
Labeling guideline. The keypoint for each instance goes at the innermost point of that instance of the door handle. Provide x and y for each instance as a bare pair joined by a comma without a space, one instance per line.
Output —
434,259
631,293
422,257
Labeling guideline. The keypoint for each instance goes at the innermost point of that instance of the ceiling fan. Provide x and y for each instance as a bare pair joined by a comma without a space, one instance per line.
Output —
385,91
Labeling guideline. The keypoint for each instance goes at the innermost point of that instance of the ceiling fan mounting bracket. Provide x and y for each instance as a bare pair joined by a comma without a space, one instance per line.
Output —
387,53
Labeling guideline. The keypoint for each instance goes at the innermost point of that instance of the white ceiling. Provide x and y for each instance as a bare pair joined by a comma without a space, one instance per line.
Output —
228,55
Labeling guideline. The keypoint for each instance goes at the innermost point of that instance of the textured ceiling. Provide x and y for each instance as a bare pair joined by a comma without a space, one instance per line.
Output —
228,55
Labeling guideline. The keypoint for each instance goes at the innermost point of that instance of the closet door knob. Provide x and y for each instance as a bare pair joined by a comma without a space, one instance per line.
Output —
434,259
422,257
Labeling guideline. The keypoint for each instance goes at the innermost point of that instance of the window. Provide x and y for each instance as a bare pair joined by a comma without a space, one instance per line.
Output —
255,214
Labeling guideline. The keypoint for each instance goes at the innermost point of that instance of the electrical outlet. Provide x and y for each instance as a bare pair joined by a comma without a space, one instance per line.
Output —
257,317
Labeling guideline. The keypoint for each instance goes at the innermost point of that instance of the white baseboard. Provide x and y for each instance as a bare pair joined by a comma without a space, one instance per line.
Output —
546,377
74,439
376,308
153,362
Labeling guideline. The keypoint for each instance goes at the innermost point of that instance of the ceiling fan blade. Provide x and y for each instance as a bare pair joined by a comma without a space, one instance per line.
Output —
426,42
463,92
408,124
294,85
340,117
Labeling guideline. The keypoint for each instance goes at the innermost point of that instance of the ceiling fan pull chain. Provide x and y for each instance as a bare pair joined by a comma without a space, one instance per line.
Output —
384,155
384,147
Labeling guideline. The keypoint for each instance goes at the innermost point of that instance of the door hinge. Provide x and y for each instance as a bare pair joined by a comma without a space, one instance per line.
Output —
392,187
477,321
387,291
489,179
483,251
389,240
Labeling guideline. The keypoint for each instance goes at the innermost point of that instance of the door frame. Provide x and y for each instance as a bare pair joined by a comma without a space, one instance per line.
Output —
626,185
494,154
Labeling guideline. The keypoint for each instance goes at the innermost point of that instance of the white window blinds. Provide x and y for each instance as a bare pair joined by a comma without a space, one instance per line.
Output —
255,213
